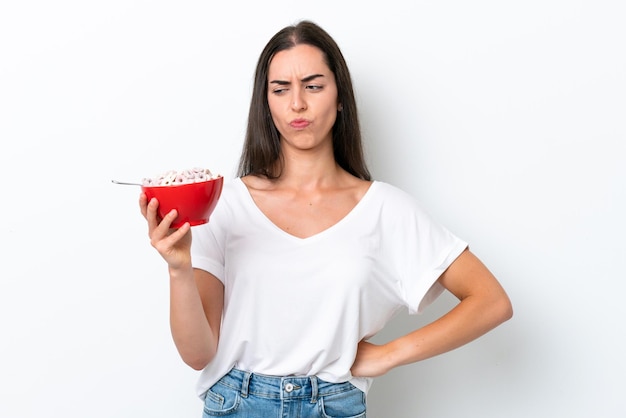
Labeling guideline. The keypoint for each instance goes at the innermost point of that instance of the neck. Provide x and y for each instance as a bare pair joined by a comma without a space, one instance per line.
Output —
307,170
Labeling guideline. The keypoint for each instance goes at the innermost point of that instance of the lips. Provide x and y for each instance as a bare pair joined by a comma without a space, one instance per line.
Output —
299,123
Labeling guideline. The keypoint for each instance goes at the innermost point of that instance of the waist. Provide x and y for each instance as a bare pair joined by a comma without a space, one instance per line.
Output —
282,387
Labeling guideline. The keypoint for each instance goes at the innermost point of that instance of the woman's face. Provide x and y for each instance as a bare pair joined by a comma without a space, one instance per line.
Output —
302,97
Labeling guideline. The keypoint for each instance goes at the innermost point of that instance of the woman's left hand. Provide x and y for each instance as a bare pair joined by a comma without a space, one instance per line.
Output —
371,360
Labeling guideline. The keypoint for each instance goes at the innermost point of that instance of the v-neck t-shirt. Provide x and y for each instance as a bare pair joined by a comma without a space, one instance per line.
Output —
299,306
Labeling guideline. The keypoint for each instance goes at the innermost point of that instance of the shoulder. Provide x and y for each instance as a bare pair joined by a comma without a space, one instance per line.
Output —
355,188
393,195
232,192
231,200
395,205
231,186
253,182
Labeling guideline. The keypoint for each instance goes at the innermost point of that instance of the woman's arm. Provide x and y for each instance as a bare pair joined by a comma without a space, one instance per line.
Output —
196,303
483,306
196,297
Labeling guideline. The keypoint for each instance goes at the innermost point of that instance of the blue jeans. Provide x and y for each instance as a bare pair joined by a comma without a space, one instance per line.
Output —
242,394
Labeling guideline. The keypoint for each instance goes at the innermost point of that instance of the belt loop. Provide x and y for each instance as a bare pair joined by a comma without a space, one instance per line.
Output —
313,388
245,383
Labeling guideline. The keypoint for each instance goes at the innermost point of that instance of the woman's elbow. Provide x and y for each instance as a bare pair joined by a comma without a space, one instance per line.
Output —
196,366
199,358
503,309
198,362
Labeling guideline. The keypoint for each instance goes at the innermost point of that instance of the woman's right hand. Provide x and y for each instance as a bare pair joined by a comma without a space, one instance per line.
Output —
174,245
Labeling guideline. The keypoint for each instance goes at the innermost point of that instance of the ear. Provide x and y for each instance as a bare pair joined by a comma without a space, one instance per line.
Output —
339,107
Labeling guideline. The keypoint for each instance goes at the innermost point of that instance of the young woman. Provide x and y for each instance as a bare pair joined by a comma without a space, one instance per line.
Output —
305,257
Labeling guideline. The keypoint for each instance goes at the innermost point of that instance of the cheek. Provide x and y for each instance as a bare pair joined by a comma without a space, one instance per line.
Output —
278,123
277,106
331,116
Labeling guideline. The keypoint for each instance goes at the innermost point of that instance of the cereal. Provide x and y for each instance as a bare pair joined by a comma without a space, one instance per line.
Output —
176,178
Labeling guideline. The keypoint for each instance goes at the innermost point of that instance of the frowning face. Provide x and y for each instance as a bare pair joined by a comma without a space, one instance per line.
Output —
302,97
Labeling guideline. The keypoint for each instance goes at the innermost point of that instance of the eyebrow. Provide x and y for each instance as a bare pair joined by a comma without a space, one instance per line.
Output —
304,80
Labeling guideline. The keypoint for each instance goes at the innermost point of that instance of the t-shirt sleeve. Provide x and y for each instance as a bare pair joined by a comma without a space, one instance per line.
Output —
423,249
208,240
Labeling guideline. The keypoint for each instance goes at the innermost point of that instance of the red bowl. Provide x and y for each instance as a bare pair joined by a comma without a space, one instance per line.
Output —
194,201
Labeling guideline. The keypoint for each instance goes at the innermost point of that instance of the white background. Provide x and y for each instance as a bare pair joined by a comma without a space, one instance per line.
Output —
506,119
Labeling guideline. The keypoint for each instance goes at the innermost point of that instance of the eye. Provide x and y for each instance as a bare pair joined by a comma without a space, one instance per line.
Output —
314,87
278,91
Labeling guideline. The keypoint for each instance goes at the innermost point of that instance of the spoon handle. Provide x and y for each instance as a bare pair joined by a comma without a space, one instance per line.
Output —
125,183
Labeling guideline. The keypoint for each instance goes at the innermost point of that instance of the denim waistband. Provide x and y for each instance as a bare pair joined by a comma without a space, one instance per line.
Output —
287,387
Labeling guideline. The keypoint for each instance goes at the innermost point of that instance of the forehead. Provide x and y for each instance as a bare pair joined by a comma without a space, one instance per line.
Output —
301,60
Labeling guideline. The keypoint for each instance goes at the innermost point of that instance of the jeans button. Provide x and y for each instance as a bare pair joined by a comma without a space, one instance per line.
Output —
288,387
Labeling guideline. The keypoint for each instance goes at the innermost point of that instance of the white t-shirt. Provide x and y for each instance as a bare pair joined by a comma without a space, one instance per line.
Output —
297,306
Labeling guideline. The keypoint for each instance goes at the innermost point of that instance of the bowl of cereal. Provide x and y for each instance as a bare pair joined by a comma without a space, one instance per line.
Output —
193,193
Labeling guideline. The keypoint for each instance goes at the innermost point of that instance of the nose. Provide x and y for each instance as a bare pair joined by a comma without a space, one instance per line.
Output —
298,102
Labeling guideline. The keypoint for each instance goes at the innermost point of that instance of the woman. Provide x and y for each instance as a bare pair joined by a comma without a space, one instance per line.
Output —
305,257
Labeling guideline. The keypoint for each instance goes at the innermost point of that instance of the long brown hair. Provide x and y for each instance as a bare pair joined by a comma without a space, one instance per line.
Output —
261,151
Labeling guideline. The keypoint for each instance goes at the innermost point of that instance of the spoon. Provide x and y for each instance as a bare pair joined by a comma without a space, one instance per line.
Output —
126,183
